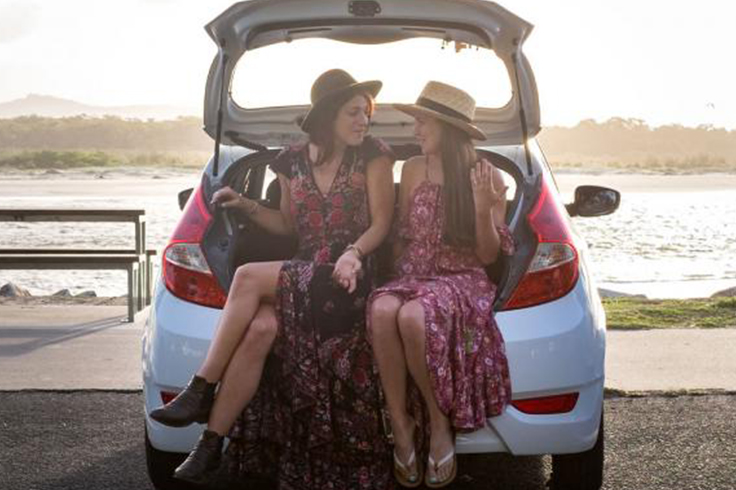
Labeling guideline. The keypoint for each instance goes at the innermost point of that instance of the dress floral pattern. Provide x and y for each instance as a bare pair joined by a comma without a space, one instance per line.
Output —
466,357
315,421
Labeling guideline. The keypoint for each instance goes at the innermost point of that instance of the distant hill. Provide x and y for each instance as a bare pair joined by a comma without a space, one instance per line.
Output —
49,106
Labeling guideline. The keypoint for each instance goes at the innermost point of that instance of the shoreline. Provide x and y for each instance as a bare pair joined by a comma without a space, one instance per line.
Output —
77,182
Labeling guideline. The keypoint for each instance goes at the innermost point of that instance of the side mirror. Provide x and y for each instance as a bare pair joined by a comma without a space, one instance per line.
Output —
593,200
184,197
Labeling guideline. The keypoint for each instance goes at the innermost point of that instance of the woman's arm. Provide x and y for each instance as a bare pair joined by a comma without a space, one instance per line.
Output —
380,187
278,222
489,194
409,173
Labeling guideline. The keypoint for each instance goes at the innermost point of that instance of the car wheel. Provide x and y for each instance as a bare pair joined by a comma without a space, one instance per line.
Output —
161,466
580,471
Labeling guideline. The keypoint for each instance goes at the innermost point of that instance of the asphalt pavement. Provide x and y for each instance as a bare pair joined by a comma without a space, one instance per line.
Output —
94,440
71,408
90,347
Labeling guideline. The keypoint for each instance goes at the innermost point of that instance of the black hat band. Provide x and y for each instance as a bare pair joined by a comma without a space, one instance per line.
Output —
442,109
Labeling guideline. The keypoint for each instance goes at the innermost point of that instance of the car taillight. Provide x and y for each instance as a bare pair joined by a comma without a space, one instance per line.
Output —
547,405
186,272
553,270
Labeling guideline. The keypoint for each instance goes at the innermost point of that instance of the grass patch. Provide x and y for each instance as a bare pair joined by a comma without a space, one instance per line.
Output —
637,313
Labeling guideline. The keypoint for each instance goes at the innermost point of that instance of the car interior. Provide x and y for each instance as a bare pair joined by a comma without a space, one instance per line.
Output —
251,244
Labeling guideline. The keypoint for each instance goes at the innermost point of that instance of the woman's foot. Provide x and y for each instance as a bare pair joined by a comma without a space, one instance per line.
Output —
201,462
193,404
442,465
406,464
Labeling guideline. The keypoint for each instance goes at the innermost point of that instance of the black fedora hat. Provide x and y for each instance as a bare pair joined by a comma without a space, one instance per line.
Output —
335,85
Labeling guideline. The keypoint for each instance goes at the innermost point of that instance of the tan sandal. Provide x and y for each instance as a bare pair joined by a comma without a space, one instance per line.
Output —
434,482
402,473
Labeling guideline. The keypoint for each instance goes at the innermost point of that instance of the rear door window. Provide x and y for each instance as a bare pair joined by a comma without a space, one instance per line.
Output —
282,74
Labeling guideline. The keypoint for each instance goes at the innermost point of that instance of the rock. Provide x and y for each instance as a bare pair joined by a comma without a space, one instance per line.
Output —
62,293
608,293
87,294
10,290
726,293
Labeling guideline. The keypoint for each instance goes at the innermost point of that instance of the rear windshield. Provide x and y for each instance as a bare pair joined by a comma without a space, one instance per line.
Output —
282,74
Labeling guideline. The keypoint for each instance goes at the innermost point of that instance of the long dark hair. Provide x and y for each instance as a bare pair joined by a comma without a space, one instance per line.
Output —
458,158
322,133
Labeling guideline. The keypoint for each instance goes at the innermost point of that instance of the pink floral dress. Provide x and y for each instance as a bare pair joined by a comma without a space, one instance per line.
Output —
466,356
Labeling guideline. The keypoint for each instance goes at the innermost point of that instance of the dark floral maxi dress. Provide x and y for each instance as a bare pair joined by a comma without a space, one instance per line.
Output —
466,356
315,421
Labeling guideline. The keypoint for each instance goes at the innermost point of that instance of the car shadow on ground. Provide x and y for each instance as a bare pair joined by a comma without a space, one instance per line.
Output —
38,337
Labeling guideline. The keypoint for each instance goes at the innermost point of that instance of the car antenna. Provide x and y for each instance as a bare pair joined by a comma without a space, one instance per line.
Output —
218,130
522,115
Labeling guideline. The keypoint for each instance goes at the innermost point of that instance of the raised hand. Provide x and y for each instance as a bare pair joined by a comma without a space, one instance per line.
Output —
485,193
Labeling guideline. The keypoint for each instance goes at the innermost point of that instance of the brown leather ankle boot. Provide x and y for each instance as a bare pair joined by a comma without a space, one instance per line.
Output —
193,404
203,461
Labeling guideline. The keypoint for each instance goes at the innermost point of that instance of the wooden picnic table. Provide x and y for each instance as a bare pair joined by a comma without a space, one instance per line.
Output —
136,260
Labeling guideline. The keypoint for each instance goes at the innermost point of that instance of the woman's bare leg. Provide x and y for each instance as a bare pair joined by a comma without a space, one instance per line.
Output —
413,331
389,353
253,284
243,373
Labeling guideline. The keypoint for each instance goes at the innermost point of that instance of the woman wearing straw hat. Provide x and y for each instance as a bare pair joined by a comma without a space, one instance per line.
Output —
435,322
299,324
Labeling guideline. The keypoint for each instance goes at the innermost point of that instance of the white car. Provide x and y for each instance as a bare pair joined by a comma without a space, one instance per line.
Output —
548,307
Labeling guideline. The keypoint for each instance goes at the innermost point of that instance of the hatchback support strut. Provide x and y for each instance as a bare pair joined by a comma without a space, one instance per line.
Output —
522,115
218,130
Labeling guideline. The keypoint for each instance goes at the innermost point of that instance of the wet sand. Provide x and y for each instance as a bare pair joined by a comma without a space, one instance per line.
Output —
647,183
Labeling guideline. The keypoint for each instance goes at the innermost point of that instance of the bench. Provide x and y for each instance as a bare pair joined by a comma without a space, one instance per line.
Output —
136,261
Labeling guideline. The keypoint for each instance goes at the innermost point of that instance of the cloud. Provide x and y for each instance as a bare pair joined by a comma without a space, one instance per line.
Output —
17,19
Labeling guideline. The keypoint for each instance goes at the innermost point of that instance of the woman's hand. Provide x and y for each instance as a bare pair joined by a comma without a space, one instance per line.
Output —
485,194
346,271
226,198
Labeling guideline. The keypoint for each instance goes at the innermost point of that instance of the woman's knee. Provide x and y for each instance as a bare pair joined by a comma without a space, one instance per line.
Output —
261,333
384,311
411,321
244,277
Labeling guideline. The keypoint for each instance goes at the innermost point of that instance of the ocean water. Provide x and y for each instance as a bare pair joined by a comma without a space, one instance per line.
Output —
679,244
664,244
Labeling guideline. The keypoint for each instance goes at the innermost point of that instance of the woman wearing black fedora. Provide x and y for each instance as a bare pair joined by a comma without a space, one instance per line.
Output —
297,394
435,321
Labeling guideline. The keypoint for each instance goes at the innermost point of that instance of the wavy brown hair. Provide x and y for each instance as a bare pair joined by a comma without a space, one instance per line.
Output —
458,158
323,128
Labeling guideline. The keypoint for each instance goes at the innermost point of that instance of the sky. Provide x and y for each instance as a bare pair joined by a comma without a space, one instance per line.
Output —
662,61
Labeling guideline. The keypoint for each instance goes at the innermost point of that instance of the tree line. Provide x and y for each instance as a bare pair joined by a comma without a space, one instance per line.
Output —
617,141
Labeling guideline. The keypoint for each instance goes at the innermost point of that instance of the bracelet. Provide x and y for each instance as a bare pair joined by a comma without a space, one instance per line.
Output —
358,251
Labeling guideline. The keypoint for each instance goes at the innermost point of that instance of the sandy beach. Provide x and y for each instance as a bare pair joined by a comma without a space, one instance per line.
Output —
118,182
647,183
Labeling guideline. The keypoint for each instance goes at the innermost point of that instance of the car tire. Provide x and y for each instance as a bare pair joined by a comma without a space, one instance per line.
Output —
161,466
580,471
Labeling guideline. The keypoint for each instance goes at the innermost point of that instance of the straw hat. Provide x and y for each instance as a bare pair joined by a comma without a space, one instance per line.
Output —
447,103
335,85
